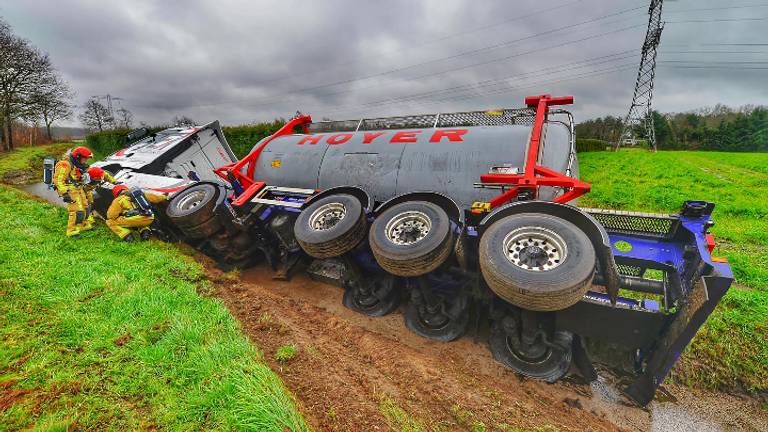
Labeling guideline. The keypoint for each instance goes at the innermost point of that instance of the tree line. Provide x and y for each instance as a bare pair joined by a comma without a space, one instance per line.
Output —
33,93
31,90
718,128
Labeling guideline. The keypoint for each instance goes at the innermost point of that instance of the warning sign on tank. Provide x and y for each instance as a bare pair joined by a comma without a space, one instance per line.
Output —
277,163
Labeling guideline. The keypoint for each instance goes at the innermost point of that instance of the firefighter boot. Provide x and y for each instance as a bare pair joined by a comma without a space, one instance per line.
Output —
76,217
145,234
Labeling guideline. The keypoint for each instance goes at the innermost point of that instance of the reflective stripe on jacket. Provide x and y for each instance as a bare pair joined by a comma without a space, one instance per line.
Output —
65,176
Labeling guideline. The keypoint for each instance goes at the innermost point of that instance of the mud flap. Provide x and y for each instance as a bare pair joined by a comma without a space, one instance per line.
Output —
582,361
701,301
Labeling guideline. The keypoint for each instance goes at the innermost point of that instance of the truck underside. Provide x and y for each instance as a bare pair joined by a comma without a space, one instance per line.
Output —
553,284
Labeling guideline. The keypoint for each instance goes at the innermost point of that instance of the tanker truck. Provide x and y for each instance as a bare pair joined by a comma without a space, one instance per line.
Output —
467,222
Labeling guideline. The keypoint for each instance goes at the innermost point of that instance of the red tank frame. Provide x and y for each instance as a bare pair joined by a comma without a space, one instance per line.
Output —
534,176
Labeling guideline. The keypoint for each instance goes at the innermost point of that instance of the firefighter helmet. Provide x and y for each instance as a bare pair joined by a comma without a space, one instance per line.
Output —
96,173
119,188
81,152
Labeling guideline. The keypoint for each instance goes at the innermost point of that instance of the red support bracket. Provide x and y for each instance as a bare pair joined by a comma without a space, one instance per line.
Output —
534,174
248,194
248,163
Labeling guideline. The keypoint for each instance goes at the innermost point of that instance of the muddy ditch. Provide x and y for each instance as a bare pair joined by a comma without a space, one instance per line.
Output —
349,366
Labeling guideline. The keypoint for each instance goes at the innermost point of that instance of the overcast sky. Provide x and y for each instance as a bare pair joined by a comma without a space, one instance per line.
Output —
245,61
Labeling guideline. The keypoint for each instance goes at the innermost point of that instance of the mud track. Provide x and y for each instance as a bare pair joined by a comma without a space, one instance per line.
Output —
349,365
351,370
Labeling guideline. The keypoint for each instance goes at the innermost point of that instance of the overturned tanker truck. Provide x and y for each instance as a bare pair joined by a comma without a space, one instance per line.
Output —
467,222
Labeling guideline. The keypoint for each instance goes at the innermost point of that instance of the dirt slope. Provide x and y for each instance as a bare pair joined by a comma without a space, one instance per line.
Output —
350,367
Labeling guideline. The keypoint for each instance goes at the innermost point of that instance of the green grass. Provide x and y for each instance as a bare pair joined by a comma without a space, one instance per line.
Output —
101,335
286,353
22,162
731,351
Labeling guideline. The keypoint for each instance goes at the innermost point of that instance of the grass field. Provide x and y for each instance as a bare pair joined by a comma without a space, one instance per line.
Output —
732,349
101,335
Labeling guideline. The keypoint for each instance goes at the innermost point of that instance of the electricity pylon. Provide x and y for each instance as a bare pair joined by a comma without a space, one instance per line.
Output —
640,115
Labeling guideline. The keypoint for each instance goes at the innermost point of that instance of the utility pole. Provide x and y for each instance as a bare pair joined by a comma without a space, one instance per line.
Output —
640,115
109,98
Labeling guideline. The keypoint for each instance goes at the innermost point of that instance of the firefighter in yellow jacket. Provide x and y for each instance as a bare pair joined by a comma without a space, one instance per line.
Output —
96,177
124,217
67,179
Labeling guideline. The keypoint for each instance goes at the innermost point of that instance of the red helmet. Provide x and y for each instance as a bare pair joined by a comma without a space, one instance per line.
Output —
96,173
119,188
81,152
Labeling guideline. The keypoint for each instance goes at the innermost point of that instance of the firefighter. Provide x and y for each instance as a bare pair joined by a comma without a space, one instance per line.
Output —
97,176
67,179
125,217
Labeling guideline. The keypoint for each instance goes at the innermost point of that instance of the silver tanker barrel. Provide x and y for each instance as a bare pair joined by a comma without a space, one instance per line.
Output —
388,163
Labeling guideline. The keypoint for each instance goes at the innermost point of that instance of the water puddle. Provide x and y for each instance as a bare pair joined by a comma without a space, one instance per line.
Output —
41,190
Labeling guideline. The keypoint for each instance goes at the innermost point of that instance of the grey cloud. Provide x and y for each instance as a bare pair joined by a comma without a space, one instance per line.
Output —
242,61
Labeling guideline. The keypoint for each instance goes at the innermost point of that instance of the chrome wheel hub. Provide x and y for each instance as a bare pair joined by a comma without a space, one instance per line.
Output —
191,201
535,249
408,228
327,216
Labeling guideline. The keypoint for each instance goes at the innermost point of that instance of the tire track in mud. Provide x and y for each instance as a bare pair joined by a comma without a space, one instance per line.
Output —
348,365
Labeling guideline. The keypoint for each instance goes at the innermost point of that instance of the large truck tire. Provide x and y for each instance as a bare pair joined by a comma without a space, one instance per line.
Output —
411,238
204,230
537,261
193,206
331,226
548,362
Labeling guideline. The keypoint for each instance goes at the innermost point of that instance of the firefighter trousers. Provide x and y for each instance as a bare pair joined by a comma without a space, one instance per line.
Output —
78,211
122,226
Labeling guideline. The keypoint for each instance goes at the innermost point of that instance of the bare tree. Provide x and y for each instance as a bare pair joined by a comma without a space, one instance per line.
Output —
95,115
182,120
124,118
52,103
23,71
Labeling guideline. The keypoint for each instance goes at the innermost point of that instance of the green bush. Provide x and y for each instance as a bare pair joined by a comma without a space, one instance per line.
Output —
106,142
242,138
590,145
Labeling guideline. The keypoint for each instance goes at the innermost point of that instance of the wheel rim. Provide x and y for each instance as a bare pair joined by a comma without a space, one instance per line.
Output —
191,201
327,216
534,354
433,320
534,249
408,228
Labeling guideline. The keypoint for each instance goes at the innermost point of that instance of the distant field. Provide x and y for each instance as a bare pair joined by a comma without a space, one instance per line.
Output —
732,350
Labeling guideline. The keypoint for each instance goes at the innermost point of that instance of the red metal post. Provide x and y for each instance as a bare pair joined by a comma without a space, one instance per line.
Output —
534,174
246,180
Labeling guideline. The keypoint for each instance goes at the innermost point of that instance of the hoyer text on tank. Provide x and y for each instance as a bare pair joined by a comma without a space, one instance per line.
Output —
406,136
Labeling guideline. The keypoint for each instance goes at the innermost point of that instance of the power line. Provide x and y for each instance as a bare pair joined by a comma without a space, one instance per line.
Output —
496,81
507,89
464,53
430,42
536,50
717,20
716,67
760,5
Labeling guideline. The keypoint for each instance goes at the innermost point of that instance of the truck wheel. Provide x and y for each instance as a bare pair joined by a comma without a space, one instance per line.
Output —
412,238
204,230
540,360
375,296
193,206
445,321
537,261
331,226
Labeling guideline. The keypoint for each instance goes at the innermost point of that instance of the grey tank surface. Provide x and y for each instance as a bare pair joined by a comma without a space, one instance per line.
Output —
388,163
